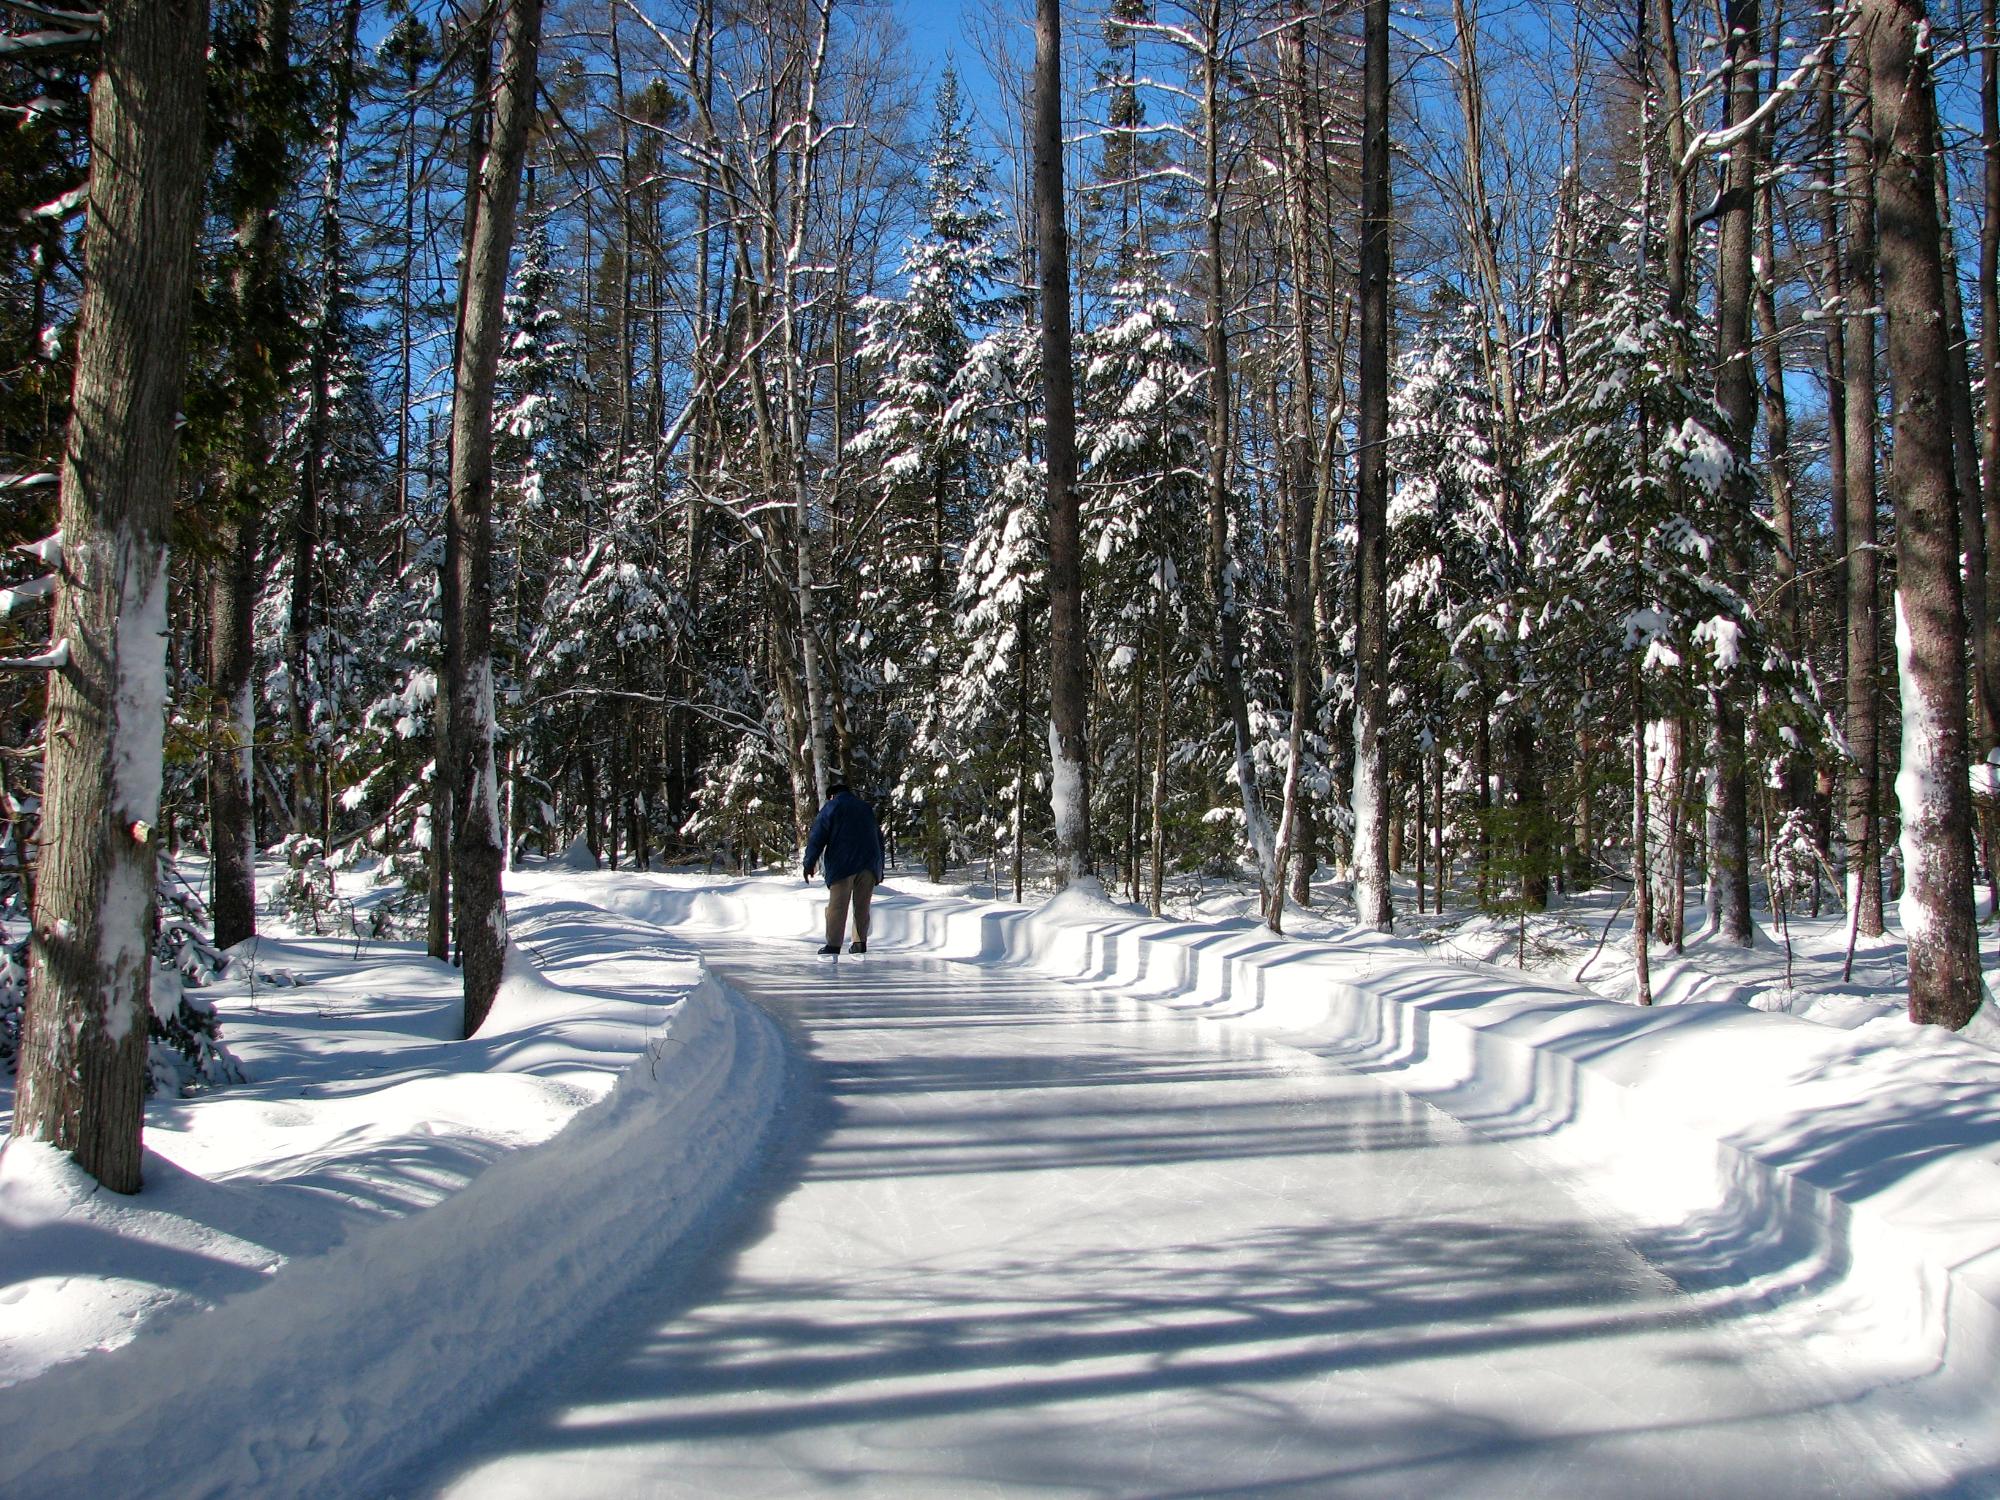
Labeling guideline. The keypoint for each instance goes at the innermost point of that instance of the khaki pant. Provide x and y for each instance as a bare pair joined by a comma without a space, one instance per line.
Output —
858,888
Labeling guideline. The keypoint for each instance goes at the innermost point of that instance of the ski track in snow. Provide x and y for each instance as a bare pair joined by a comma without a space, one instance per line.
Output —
1016,1231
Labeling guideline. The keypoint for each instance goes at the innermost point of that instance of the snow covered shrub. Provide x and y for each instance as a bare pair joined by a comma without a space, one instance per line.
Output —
1792,870
305,893
403,907
185,1052
743,805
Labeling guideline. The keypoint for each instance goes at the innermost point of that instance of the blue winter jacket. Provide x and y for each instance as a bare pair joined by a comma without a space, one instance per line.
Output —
845,832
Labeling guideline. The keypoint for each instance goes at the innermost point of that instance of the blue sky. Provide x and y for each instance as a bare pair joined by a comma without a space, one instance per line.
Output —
938,31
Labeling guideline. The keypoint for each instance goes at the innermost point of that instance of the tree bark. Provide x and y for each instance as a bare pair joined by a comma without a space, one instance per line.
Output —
246,492
83,1045
1068,680
1863,833
1300,595
312,500
479,842
1371,493
1777,449
1938,922
232,786
1736,395
1221,565
1989,361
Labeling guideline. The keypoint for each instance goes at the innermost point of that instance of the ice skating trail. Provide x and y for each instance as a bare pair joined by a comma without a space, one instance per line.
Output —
1030,1238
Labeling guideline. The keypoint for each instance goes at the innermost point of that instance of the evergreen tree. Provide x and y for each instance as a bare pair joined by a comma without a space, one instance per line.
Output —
919,440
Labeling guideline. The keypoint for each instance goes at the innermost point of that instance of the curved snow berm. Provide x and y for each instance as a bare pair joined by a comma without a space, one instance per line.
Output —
1853,1176
345,1365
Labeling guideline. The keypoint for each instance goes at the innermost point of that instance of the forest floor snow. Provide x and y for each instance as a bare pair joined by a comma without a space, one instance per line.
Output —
370,1193
382,1249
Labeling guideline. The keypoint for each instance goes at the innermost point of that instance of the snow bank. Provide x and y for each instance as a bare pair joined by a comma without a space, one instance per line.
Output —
346,1362
1855,1174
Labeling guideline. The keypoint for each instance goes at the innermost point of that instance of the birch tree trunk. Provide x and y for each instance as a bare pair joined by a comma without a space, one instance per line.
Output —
1931,787
479,844
83,1045
1371,495
1068,680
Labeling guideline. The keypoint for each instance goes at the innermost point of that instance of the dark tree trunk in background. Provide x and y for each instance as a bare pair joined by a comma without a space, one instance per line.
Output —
447,776
1864,835
1938,922
479,843
1371,498
246,488
232,788
1228,643
1984,509
1303,471
1069,682
82,1075
308,779
1736,395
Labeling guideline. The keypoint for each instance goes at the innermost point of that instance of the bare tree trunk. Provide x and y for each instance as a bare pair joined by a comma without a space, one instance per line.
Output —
1068,682
1583,846
478,845
1777,449
1864,838
1302,466
1221,569
1441,864
1736,395
1964,425
1665,755
448,757
1984,510
1371,495
82,1065
245,496
232,788
1642,879
1938,921
1157,849
311,504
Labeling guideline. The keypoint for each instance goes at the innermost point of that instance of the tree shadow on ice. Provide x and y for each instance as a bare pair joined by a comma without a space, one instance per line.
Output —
1304,1346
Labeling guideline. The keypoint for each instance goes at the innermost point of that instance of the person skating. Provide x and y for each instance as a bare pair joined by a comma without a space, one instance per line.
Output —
848,841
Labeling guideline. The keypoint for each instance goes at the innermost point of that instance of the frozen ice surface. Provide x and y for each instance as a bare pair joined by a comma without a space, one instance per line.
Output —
1032,1239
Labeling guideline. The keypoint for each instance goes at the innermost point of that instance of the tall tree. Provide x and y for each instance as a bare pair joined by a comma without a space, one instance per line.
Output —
479,842
83,1053
1931,785
1068,681
1863,563
1371,494
1736,395
309,514
1225,576
257,336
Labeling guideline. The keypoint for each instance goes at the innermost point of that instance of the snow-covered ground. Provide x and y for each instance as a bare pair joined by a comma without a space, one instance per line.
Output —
331,1262
393,1227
